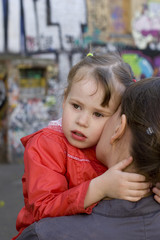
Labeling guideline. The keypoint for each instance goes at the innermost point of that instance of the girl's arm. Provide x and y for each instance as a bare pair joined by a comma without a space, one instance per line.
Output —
115,183
45,185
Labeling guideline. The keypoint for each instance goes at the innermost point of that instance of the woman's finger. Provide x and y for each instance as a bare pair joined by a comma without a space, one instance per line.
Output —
157,198
156,191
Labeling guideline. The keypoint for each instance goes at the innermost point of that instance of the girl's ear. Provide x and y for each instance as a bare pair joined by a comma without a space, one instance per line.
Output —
63,103
64,98
120,129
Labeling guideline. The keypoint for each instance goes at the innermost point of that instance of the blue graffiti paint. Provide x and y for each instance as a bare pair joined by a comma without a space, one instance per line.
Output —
146,67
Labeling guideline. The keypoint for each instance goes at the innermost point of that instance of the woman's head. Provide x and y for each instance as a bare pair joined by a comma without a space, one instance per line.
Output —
134,130
140,104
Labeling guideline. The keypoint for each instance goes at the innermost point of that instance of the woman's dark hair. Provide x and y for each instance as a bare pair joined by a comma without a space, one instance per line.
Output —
141,105
106,69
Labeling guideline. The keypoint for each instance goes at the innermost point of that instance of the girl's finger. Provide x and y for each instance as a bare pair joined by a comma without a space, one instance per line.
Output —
139,186
138,193
134,177
123,164
133,199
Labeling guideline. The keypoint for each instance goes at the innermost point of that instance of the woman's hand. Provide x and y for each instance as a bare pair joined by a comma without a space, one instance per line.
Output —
156,190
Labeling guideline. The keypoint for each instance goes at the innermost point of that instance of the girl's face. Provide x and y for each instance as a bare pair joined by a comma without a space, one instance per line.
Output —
83,116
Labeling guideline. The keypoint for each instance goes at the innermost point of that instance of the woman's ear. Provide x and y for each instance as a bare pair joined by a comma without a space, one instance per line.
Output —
120,129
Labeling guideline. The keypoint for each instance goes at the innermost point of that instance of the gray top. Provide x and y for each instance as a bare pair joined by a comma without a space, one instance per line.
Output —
111,220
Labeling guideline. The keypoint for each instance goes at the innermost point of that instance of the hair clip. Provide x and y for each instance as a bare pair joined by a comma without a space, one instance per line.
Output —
149,131
90,54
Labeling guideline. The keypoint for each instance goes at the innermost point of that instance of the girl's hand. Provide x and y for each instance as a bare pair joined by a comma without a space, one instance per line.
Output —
124,185
156,190
115,183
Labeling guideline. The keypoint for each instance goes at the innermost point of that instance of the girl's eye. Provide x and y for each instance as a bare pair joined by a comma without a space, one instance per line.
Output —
76,106
97,114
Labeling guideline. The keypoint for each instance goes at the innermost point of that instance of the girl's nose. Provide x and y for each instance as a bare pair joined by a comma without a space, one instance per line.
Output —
83,120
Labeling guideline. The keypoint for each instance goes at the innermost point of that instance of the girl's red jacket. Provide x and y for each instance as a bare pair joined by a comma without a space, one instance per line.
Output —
56,176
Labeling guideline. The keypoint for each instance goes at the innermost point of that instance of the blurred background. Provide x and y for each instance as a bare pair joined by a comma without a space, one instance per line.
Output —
39,42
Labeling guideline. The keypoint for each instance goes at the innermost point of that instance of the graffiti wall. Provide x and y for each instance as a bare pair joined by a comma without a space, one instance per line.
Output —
143,65
63,28
146,26
51,25
59,33
32,87
3,112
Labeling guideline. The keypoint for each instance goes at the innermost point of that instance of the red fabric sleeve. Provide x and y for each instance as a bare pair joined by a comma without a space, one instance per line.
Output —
45,181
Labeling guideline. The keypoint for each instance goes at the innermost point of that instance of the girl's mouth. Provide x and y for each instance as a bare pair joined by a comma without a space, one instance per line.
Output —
78,136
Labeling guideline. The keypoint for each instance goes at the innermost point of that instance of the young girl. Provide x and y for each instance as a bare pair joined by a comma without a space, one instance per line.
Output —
60,160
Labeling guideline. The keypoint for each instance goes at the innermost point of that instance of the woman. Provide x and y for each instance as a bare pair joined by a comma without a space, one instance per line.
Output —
134,130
